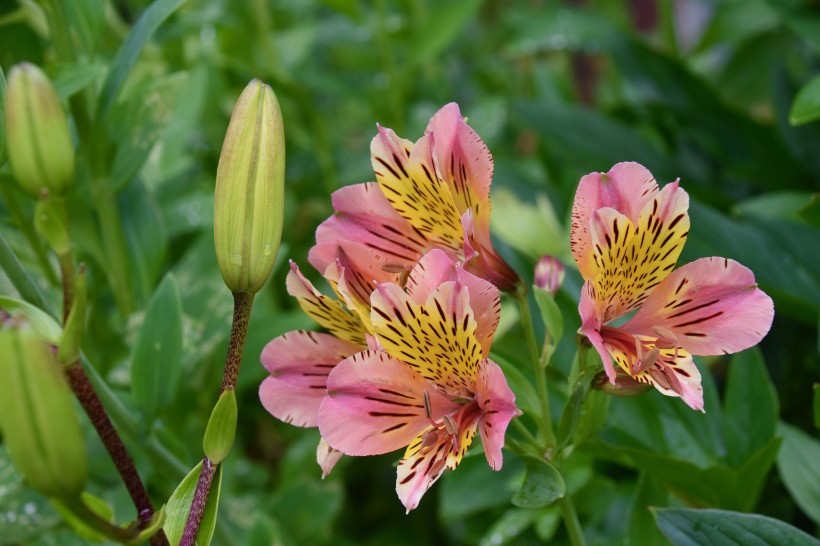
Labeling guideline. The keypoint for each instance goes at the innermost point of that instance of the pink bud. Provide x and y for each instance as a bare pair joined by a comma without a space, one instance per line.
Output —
549,274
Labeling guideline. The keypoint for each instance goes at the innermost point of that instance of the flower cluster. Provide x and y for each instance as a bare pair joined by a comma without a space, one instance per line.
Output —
406,363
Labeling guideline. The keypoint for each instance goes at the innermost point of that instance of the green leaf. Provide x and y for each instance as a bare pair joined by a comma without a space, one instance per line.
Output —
806,105
687,527
543,484
442,27
157,355
642,529
221,430
550,314
2,117
87,20
817,405
42,323
750,407
178,506
799,465
128,53
476,487
96,505
593,415
510,525
70,79
528,225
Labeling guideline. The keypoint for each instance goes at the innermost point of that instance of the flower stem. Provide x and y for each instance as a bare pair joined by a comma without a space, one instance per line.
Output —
242,303
80,509
570,516
90,402
540,375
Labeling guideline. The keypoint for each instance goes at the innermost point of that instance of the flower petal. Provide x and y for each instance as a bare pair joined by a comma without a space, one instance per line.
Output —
591,327
481,258
327,457
375,404
409,181
680,377
436,339
630,260
497,403
711,305
424,462
364,216
329,313
627,188
433,268
463,161
299,363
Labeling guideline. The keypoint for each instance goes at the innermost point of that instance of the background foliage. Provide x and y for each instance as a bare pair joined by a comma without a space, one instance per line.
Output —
700,90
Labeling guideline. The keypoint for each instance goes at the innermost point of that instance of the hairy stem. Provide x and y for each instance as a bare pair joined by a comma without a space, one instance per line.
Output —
90,402
242,303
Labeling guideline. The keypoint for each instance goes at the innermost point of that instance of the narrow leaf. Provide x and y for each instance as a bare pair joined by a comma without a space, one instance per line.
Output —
750,406
550,314
687,527
157,356
150,20
543,484
799,465
176,511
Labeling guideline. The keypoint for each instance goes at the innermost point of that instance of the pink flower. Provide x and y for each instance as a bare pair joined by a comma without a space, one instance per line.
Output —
430,385
431,194
626,237
300,361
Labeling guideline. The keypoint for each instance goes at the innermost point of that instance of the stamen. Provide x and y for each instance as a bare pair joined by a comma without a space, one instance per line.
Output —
427,410
450,425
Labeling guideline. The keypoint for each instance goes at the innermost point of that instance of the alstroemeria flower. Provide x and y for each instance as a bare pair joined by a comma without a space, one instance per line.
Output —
431,194
299,361
626,237
430,385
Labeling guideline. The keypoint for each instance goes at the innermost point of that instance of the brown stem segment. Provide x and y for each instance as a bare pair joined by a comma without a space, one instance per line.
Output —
242,303
88,398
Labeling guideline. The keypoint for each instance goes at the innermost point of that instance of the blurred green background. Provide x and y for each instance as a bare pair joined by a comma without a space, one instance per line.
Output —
700,90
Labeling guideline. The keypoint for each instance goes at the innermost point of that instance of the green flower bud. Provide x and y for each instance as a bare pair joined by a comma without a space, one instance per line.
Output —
39,144
250,180
37,418
219,435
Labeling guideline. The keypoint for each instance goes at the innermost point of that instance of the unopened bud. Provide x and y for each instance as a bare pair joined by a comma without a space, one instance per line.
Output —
250,180
40,427
625,384
549,274
37,137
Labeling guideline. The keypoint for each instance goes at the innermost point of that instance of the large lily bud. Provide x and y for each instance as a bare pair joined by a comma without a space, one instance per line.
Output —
37,418
250,185
39,144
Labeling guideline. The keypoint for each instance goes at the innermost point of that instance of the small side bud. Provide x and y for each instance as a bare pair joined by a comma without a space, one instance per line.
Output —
37,137
221,430
39,425
549,274
51,223
250,180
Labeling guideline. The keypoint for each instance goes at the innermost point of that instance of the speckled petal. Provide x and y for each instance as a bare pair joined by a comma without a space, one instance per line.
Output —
328,312
497,403
711,305
627,188
299,363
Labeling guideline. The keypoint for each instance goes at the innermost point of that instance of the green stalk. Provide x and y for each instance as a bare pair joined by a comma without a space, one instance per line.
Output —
80,509
538,370
570,516
113,240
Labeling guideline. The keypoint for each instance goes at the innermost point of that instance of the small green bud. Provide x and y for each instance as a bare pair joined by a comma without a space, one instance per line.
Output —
37,137
37,418
250,181
51,223
219,435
